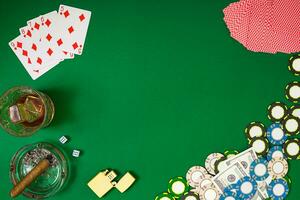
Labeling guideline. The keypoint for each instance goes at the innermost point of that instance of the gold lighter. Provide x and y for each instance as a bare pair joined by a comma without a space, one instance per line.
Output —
103,182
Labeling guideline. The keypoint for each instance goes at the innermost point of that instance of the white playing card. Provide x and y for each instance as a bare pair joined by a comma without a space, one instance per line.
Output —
42,52
21,48
72,27
50,35
48,50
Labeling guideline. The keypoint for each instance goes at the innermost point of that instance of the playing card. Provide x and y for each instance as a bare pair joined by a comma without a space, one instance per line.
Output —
232,15
286,25
268,43
41,52
72,27
22,50
239,17
49,38
256,26
48,50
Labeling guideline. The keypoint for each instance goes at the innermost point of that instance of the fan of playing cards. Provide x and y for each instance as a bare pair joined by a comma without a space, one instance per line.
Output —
269,26
49,39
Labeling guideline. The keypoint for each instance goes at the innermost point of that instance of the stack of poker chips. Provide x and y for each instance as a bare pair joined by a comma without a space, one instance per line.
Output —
273,146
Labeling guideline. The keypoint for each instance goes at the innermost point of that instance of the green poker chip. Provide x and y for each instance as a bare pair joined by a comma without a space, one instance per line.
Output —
164,196
260,145
292,91
255,129
277,111
288,180
218,164
190,196
178,186
294,65
230,153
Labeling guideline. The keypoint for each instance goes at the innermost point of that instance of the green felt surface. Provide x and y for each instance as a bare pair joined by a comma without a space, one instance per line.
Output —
160,85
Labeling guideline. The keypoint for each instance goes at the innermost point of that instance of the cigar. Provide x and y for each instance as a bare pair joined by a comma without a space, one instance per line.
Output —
30,177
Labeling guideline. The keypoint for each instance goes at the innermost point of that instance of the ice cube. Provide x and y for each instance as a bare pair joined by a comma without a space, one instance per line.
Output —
14,114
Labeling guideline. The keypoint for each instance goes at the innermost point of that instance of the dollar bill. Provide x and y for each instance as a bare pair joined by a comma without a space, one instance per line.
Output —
245,158
229,176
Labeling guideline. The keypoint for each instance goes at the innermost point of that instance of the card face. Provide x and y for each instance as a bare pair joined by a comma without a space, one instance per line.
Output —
48,50
72,25
22,50
42,52
49,35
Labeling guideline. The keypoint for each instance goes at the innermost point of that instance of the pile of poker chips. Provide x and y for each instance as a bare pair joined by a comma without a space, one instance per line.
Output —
274,146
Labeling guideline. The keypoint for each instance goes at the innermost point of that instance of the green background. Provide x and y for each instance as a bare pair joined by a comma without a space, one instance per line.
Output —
160,85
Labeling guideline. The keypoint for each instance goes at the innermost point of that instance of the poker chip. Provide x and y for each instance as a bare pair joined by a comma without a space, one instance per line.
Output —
291,125
277,111
230,153
260,145
228,195
275,134
255,129
193,175
247,188
259,169
292,91
209,192
291,148
205,180
164,196
295,111
278,189
275,152
190,196
210,162
220,164
178,186
294,65
278,168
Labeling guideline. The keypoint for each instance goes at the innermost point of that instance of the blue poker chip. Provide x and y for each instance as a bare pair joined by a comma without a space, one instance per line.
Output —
259,169
278,189
228,195
275,134
247,188
231,188
274,152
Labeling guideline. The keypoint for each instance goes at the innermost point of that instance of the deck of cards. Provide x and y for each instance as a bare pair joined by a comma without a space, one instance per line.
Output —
50,38
269,26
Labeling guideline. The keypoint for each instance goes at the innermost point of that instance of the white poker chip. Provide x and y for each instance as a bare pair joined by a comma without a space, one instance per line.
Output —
205,180
293,91
194,174
211,160
209,192
278,168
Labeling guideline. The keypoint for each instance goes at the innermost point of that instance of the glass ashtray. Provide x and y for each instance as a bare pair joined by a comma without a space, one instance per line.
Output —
51,181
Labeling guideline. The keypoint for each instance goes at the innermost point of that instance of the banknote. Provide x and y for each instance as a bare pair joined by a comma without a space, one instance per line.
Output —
245,158
229,176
